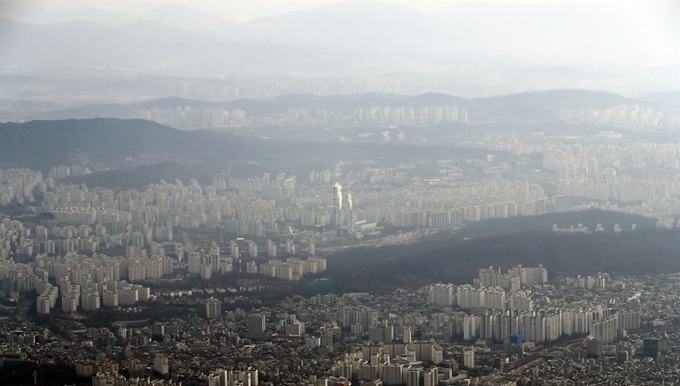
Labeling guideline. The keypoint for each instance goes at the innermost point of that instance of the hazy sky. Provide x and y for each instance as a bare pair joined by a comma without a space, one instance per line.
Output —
242,10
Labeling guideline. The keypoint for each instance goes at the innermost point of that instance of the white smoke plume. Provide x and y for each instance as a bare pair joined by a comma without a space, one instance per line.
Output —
349,200
338,194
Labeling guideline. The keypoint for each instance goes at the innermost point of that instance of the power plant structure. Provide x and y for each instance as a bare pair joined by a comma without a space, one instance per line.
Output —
350,204
337,206
339,214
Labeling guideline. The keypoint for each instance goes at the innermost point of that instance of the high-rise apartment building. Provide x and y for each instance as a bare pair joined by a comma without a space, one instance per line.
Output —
213,308
256,325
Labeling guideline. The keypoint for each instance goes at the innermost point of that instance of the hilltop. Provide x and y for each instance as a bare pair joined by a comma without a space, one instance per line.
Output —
43,144
456,257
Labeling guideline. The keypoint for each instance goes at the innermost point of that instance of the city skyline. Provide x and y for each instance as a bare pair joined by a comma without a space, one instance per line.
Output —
339,193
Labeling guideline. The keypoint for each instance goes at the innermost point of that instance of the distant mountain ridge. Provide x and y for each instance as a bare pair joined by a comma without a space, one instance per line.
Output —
185,18
169,14
147,45
327,39
525,107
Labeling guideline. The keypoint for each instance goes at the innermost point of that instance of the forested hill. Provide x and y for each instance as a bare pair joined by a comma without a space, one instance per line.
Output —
456,258
142,152
44,144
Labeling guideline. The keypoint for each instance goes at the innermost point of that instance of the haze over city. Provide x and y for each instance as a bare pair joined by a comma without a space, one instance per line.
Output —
322,193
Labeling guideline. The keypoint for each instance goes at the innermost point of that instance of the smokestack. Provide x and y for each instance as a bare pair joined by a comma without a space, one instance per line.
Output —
337,204
338,195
